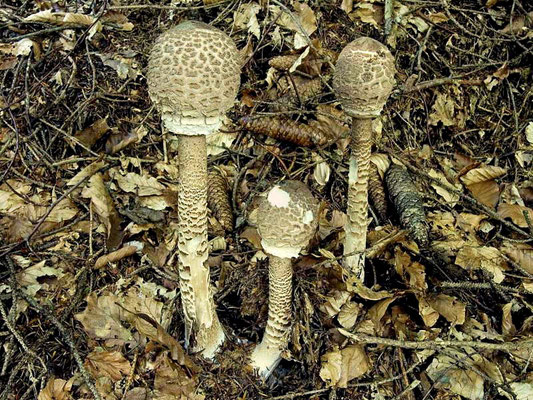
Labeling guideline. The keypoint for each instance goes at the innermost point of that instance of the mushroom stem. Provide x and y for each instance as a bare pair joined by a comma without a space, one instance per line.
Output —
356,223
267,354
196,294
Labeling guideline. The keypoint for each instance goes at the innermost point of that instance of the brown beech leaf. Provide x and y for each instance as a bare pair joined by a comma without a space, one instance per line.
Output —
482,174
107,363
480,181
429,315
485,258
449,307
102,318
516,213
341,366
172,382
522,254
92,133
56,389
104,208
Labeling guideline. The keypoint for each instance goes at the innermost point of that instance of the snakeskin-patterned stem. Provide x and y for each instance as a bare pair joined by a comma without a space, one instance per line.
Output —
197,298
356,223
267,354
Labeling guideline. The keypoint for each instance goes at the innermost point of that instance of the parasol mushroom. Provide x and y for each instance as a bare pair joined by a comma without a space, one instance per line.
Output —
193,79
287,220
363,81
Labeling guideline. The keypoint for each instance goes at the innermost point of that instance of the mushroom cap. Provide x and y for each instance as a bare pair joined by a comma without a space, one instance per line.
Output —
287,218
364,77
193,77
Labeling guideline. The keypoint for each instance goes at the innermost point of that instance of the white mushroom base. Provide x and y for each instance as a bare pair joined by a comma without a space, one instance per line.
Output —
267,354
214,338
265,359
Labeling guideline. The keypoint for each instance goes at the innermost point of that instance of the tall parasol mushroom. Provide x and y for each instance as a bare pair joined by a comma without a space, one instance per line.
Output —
193,79
363,81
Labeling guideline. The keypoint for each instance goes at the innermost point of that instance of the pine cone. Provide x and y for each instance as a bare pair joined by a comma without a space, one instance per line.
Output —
283,63
408,203
376,192
286,130
218,199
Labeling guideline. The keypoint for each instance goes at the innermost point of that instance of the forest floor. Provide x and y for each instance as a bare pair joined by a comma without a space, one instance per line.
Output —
89,299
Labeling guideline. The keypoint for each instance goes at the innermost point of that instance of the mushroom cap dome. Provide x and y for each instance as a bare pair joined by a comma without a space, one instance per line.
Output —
287,218
193,77
364,77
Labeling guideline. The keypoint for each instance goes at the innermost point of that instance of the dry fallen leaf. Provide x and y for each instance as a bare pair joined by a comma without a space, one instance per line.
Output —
56,389
487,258
141,185
90,135
340,367
104,208
449,307
522,254
480,181
465,382
102,318
516,213
107,363
482,174
449,197
443,111
428,313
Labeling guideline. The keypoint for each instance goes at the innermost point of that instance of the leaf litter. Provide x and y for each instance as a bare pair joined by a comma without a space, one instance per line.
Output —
86,172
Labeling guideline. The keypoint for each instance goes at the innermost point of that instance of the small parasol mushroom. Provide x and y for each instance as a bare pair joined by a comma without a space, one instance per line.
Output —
287,220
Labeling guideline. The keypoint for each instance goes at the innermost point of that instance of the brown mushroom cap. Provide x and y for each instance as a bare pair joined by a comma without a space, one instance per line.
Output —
193,77
364,77
287,218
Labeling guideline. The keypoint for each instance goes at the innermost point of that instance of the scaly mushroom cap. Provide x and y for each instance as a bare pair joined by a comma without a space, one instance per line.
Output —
364,77
287,218
193,77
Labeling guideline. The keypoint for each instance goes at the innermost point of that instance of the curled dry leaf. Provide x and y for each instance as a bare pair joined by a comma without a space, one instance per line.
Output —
322,172
405,266
107,363
88,171
516,213
90,135
449,307
104,208
482,174
382,163
429,315
56,389
508,327
522,254
141,185
334,302
340,367
348,315
120,140
480,181
487,258
450,198
327,225
245,17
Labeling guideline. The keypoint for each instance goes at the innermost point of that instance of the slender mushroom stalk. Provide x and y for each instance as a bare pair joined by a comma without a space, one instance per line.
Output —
193,79
287,220
363,81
